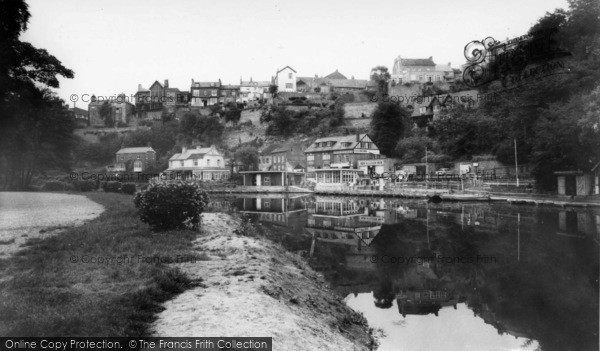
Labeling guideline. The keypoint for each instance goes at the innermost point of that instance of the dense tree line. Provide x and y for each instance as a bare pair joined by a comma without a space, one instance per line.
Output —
36,129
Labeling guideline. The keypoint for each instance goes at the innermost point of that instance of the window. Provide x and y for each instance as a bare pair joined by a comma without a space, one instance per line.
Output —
289,75
218,163
438,78
208,162
289,86
181,163
310,157
420,78
213,93
205,92
326,157
422,109
196,162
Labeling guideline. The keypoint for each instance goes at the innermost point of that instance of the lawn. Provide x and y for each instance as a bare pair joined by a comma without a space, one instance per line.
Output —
51,292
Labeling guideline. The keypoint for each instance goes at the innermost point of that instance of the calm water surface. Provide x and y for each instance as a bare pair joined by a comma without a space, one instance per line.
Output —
448,276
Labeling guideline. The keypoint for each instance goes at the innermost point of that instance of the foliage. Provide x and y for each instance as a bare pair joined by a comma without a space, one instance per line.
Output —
381,76
389,123
171,206
102,152
233,114
246,227
85,185
111,187
57,186
105,113
128,188
35,127
246,157
412,148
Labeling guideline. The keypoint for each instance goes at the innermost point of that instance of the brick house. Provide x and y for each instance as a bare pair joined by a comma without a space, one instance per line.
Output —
136,159
229,93
421,70
205,93
288,157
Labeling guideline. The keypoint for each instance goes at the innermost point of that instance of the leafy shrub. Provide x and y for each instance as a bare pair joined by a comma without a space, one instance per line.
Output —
57,186
171,206
85,185
246,227
128,188
111,187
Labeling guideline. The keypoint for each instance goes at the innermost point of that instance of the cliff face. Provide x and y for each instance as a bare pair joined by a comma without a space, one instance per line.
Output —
253,287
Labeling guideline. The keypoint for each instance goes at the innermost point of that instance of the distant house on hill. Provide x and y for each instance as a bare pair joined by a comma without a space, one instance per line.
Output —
205,93
120,109
136,159
285,79
253,90
335,75
333,82
420,70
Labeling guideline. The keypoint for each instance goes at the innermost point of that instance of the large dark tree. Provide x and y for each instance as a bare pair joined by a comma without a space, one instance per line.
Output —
34,131
389,123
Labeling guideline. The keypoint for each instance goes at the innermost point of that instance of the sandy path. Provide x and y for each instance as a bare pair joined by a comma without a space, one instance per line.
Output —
253,288
26,215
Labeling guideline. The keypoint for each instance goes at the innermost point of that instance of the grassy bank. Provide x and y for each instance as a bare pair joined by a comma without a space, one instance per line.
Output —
47,288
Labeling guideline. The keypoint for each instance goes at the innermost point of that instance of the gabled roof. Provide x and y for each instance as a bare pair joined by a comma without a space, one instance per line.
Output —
156,82
135,150
417,62
347,142
268,149
336,75
285,68
190,154
289,147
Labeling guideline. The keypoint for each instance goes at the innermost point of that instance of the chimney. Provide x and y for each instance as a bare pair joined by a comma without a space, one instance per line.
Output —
183,149
449,65
139,87
166,83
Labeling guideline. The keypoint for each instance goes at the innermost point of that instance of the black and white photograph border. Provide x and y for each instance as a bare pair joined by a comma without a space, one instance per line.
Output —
291,175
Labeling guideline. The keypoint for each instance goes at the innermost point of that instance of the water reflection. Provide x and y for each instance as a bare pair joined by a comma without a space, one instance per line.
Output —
529,273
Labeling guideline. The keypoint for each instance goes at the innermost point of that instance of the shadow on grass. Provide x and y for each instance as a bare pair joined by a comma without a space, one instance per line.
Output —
105,278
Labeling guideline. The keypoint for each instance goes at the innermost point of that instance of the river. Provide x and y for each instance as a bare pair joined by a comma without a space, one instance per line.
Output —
451,276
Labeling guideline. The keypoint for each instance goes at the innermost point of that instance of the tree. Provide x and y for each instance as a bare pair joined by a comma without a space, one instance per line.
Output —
246,157
273,89
381,76
389,123
105,113
35,127
208,130
233,114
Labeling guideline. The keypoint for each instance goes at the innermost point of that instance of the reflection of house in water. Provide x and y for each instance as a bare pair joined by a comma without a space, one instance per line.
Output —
579,224
275,209
423,302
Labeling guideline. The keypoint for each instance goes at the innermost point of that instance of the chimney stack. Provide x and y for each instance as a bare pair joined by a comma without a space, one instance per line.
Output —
166,83
183,149
139,87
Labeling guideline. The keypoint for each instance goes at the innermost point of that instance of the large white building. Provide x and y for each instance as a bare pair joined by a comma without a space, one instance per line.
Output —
285,79
199,163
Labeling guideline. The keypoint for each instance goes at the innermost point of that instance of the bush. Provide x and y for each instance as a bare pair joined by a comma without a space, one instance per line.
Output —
111,187
171,206
85,185
128,188
57,186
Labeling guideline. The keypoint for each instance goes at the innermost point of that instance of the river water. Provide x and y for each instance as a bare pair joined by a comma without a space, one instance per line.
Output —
448,276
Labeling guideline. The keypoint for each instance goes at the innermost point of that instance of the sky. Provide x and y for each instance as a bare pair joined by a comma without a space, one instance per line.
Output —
114,45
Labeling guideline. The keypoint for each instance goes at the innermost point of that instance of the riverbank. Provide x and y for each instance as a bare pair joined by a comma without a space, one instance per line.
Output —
105,278
254,287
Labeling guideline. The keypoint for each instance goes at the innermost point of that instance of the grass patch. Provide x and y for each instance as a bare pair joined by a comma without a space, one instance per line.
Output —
54,292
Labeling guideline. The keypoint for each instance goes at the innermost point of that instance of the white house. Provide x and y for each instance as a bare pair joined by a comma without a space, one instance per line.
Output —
285,79
253,90
199,163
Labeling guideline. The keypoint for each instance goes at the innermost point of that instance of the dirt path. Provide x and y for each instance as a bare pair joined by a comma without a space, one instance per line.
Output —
252,287
27,215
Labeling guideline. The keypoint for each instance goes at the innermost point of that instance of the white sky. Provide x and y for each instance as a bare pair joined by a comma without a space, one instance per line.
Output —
115,45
